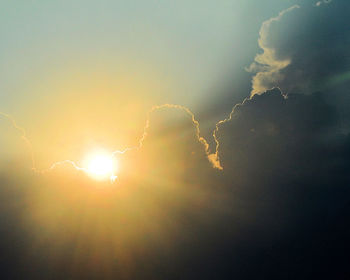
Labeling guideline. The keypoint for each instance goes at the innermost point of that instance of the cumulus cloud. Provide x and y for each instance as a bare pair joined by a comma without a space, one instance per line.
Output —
268,65
304,49
285,168
286,164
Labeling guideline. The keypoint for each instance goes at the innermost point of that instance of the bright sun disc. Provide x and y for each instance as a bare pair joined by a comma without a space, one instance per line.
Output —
100,166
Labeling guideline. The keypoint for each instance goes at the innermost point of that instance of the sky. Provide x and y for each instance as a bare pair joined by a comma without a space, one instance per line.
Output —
58,56
174,139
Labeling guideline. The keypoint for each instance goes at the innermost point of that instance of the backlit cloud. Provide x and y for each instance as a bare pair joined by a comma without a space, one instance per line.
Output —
305,49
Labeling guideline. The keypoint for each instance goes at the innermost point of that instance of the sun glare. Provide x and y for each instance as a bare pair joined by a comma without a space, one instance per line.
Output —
100,166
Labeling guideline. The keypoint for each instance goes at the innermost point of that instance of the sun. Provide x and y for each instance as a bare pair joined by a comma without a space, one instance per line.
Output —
100,166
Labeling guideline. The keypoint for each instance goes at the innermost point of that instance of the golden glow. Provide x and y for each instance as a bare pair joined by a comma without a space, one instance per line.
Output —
100,165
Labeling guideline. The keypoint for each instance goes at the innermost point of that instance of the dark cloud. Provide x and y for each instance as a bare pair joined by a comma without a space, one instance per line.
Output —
285,171
305,49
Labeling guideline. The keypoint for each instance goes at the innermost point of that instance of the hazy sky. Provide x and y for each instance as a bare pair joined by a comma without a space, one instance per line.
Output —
73,63
191,44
